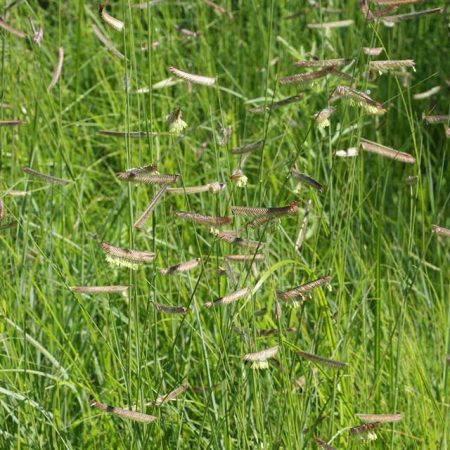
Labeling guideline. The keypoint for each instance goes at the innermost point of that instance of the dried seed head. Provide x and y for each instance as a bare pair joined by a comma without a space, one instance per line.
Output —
239,178
182,267
372,51
11,29
126,258
427,94
391,20
58,68
170,396
230,298
259,359
322,63
134,176
170,309
117,24
254,257
106,42
441,231
302,289
197,79
99,289
383,418
330,25
436,119
322,117
391,64
290,209
387,152
10,123
302,177
155,201
204,220
47,178
307,77
323,361
124,413
359,99
175,123
279,104
247,148
348,153
322,444
364,428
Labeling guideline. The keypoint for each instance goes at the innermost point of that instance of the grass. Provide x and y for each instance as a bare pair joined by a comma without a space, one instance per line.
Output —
386,312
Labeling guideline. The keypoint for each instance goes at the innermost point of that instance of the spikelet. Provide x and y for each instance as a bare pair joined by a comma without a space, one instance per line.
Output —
11,29
432,120
239,178
218,9
330,25
259,221
182,267
117,24
247,148
359,99
323,361
224,135
10,123
170,309
135,176
322,444
204,220
373,51
99,289
188,33
197,79
57,71
126,258
259,359
277,105
387,152
364,428
127,134
124,413
175,122
396,2
230,298
232,238
130,173
212,188
323,116
170,396
47,178
303,227
152,205
427,94
388,20
306,77
322,63
383,418
303,178
302,289
348,153
290,209
441,231
106,42
274,331
2,210
239,258
383,66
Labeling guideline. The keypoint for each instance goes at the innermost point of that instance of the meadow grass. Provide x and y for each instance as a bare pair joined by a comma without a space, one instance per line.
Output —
386,309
